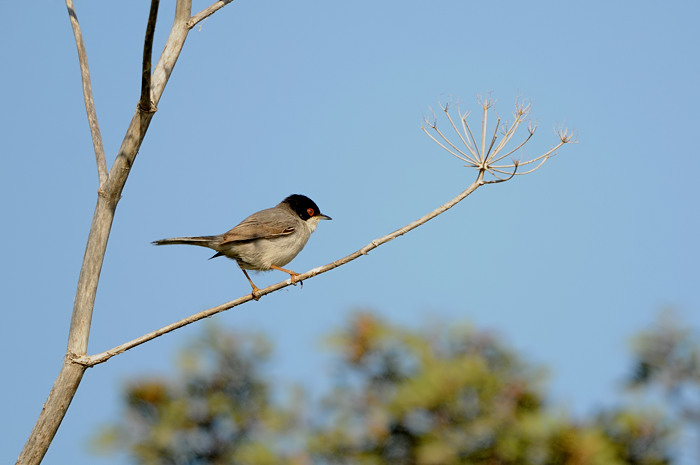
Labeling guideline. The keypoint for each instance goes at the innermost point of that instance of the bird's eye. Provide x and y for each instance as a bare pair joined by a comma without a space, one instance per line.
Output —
310,211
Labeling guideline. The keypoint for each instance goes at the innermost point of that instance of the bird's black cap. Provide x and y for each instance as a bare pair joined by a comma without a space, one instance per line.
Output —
304,207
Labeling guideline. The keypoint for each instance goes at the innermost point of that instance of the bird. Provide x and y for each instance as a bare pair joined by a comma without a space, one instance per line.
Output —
268,239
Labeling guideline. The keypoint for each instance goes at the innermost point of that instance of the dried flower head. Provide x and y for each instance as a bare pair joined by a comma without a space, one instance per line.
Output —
488,155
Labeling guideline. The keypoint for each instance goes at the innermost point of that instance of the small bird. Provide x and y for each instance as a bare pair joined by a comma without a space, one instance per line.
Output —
268,239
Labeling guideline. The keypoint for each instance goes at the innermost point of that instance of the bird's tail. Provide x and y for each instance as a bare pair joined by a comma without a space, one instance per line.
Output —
202,241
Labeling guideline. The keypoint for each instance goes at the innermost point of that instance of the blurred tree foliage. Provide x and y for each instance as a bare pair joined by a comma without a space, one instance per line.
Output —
440,395
667,359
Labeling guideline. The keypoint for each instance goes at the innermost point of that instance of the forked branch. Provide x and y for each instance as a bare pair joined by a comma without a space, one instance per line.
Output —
111,184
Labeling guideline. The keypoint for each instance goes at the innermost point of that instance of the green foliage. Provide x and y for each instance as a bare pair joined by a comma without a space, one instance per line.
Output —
429,397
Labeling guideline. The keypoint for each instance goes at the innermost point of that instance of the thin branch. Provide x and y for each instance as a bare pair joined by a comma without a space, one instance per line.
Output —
454,126
145,103
466,157
532,132
88,97
533,169
469,131
141,120
494,137
521,164
510,132
484,118
92,360
205,13
549,154
498,179
443,146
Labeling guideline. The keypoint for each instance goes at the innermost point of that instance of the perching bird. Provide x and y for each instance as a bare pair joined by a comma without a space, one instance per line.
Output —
270,238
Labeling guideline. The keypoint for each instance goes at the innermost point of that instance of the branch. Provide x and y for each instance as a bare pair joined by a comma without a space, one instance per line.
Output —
111,186
463,158
531,132
508,178
205,13
468,130
141,120
92,360
145,103
87,96
464,141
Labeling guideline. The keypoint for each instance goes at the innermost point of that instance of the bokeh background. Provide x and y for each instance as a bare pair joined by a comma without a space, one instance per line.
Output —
326,99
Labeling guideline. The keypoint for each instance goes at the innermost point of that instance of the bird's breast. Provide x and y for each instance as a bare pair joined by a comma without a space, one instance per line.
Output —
261,254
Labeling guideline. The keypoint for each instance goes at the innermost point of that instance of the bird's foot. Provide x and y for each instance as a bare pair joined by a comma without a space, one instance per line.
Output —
256,293
293,276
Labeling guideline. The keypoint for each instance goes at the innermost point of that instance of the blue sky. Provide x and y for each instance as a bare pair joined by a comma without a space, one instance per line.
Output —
326,99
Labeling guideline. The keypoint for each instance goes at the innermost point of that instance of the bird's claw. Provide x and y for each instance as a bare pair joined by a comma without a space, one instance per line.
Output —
293,278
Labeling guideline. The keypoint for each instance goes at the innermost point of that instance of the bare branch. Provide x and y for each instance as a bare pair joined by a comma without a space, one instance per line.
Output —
520,164
205,13
464,156
112,184
91,360
44,430
548,154
465,142
141,120
87,96
441,144
499,179
510,132
566,136
531,131
145,104
484,117
469,131
493,138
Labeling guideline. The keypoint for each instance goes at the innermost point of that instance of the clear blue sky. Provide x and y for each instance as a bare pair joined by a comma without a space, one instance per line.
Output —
326,99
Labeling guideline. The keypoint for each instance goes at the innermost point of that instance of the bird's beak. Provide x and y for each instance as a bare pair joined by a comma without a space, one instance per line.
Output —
321,216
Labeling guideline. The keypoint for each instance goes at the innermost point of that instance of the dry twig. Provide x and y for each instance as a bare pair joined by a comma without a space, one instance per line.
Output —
145,103
87,96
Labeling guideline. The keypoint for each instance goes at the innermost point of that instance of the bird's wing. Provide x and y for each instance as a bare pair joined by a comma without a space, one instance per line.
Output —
262,225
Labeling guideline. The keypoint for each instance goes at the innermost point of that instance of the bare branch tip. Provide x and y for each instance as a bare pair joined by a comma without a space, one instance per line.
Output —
449,103
486,102
566,136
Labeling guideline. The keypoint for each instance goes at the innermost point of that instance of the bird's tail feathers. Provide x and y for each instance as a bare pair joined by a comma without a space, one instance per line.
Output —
202,241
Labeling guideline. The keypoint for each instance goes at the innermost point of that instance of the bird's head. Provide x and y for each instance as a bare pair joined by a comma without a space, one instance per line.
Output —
306,209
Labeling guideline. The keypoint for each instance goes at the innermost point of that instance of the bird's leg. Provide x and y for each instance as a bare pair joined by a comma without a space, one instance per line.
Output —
291,273
256,291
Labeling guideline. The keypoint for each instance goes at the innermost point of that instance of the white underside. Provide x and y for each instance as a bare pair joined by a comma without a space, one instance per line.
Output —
261,254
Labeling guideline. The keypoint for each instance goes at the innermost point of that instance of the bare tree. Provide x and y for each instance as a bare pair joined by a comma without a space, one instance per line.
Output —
486,156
